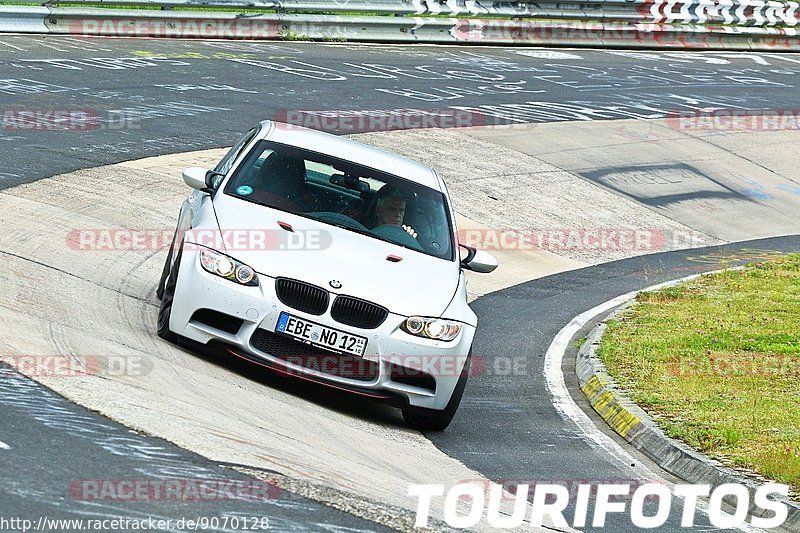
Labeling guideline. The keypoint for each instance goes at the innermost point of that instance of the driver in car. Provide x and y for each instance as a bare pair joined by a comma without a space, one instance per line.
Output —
390,209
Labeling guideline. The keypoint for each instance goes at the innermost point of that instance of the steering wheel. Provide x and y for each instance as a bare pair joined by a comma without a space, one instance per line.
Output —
397,235
338,218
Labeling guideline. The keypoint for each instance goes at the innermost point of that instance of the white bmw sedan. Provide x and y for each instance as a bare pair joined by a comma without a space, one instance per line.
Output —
330,261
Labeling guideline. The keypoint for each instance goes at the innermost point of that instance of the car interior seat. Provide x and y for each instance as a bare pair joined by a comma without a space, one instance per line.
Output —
282,182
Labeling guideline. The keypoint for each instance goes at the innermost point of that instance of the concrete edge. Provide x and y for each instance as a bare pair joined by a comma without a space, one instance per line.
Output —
390,516
387,515
633,424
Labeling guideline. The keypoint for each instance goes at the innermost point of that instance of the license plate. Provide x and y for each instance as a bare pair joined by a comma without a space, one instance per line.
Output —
320,336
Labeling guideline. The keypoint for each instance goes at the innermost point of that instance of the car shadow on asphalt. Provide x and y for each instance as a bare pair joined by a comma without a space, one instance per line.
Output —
340,401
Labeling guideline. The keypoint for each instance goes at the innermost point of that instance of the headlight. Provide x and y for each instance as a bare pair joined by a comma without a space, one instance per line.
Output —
227,267
431,328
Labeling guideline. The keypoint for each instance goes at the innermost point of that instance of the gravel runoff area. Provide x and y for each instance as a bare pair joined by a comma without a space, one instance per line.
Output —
508,190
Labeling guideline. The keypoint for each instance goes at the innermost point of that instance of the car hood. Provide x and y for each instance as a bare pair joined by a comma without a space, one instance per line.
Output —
319,253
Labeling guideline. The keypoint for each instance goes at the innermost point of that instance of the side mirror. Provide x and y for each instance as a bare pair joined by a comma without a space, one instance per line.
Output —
214,179
478,260
195,177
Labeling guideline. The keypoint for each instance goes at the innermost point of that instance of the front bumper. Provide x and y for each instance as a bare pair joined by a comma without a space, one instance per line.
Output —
389,351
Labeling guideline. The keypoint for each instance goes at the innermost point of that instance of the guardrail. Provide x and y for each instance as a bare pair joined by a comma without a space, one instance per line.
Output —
19,19
403,7
679,24
730,12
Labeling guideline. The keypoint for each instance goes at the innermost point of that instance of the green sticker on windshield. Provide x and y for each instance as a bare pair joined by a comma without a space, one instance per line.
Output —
244,190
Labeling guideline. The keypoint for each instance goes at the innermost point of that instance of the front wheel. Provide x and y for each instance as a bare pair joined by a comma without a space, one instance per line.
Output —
423,419
167,297
165,271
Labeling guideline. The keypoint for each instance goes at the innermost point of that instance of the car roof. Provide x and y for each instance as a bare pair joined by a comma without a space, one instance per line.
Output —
350,150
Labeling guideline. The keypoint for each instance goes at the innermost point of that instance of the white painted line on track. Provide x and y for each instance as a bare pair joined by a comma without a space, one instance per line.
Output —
4,446
569,410
12,46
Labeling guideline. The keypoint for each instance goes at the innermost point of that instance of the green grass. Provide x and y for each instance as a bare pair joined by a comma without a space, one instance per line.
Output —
716,362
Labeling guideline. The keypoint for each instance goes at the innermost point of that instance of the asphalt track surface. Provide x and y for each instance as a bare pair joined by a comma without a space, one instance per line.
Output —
59,452
186,95
502,414
157,97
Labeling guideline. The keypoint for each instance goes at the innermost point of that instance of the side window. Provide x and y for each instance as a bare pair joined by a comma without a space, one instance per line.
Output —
249,172
225,164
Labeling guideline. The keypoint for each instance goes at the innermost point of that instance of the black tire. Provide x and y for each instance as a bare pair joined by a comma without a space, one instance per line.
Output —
165,271
168,295
423,419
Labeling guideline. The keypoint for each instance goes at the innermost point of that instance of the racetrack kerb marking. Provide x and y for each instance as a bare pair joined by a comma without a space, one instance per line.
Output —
605,403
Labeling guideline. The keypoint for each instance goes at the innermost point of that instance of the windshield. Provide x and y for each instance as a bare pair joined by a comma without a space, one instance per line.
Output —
345,194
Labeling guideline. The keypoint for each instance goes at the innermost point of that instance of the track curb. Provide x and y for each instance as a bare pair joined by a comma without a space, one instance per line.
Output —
633,424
